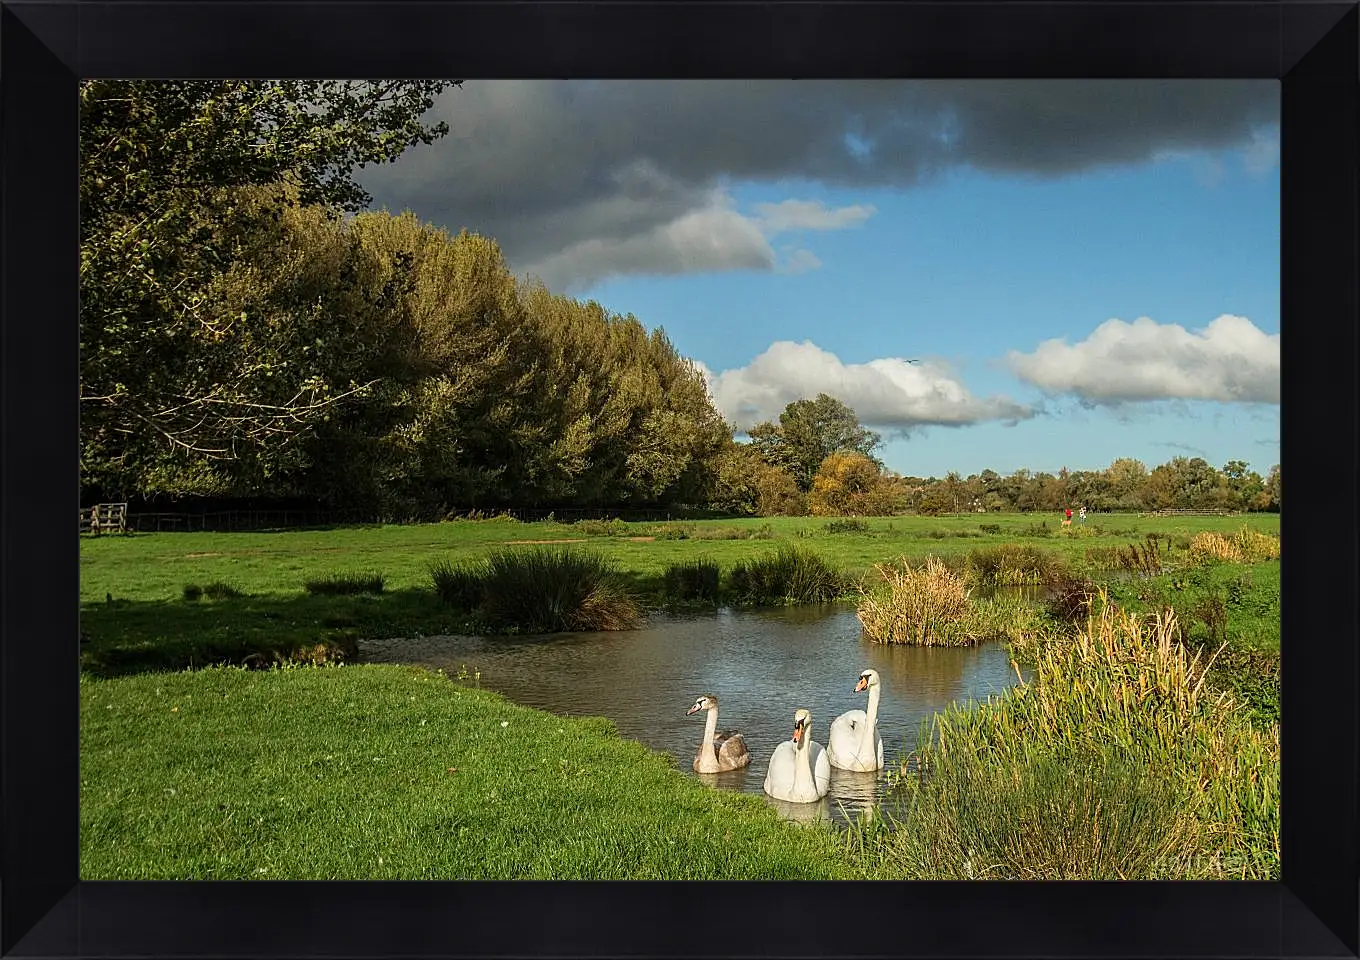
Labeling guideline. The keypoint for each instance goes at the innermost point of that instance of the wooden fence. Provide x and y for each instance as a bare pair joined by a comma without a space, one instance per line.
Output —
104,518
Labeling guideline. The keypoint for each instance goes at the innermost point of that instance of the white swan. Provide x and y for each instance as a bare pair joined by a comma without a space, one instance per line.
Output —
718,751
854,742
799,771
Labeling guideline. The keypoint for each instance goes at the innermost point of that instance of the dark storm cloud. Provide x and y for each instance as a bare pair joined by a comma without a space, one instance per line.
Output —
579,180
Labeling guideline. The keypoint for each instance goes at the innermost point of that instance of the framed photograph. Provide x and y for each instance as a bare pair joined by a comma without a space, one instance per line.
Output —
563,442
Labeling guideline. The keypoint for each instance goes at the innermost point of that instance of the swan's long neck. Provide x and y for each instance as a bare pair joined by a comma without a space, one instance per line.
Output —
802,758
870,716
710,727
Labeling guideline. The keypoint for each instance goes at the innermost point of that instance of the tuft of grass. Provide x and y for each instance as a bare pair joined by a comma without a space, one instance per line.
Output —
345,584
989,528
192,592
459,584
672,531
1120,691
1041,529
693,581
1045,816
1013,564
547,591
789,575
221,591
928,606
847,525
763,532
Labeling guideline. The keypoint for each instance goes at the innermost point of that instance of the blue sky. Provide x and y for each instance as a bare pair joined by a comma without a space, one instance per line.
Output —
799,261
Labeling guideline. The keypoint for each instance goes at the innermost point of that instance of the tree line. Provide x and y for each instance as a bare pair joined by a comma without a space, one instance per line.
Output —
249,331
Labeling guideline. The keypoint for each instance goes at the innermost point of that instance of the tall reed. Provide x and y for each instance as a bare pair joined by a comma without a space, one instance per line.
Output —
927,605
545,591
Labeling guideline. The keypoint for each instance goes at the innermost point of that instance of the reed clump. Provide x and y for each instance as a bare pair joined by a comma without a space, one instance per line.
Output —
694,581
1208,547
789,575
1254,547
459,584
1191,779
1013,564
927,605
547,591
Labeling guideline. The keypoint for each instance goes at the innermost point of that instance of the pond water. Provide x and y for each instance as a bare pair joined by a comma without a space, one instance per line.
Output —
762,664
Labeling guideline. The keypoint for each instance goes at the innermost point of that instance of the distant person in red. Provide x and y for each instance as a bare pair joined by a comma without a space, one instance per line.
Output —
1067,518
1069,513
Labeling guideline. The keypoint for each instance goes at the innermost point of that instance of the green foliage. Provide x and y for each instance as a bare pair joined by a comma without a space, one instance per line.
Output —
602,528
789,575
345,584
808,432
847,525
222,591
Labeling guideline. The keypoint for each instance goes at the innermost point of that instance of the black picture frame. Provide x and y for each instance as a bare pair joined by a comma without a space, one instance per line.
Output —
45,911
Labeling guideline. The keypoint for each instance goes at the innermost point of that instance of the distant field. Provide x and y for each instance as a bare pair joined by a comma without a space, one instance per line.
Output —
156,566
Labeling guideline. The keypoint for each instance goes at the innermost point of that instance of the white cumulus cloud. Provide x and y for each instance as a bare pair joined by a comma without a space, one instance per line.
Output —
888,392
1230,360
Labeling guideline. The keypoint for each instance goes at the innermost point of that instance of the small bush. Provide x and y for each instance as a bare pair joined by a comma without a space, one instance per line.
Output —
1071,600
346,583
1207,548
192,592
459,585
602,528
789,575
692,581
1011,564
1255,547
673,531
547,591
762,532
847,525
221,591
990,528
926,606
1041,529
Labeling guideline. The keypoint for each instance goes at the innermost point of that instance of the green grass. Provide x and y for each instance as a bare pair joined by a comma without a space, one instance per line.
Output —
274,769
363,772
693,582
550,590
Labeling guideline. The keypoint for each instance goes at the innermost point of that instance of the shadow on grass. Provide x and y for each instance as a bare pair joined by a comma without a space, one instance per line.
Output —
124,636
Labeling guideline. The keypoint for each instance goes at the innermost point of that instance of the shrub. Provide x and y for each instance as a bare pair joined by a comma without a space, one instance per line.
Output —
459,585
602,528
1117,687
1071,600
1011,564
673,531
1041,529
789,575
762,532
990,528
346,583
546,591
192,592
1254,547
1206,548
847,525
926,606
692,581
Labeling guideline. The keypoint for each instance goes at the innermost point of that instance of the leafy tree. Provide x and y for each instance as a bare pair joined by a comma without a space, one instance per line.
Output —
1272,488
808,432
162,365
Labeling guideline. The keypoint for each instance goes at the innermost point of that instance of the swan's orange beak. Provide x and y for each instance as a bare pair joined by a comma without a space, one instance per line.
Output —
862,685
797,732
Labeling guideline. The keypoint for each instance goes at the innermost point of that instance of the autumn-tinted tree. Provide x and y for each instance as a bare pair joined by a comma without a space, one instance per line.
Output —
808,432
848,483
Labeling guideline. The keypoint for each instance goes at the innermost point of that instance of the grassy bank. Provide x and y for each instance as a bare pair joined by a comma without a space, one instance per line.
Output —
362,772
